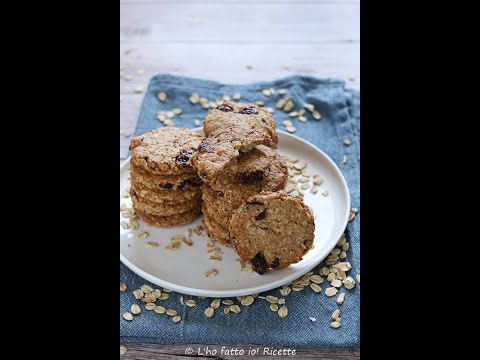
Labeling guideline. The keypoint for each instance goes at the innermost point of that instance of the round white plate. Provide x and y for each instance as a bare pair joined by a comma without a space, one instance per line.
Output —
182,270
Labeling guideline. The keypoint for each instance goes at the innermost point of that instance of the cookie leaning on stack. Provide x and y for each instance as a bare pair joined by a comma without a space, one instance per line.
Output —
236,160
257,170
272,230
165,190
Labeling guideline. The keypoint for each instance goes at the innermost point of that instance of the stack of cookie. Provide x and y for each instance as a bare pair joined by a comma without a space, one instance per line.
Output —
236,160
165,189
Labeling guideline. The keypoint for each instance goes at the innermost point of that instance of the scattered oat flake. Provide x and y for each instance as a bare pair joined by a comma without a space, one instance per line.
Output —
349,283
162,96
163,297
354,210
235,309
236,96
341,298
316,115
274,307
197,122
309,107
266,92
282,91
171,312
211,272
346,141
152,244
335,324
288,106
247,301
150,306
325,193
312,319
315,287
191,303
331,291
138,89
123,349
123,287
176,318
135,309
216,303
127,316
358,278
351,216
142,235
345,159
209,312
272,299
159,309
283,312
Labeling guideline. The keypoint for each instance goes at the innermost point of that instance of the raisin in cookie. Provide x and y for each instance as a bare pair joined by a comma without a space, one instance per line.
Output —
272,230
164,182
165,151
163,209
232,114
222,148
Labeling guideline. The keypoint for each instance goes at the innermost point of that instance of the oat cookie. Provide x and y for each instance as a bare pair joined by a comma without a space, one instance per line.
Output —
272,230
233,114
169,196
222,149
165,151
214,229
262,168
163,209
164,182
169,221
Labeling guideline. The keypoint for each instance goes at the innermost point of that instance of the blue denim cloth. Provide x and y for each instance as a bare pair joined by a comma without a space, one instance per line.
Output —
340,110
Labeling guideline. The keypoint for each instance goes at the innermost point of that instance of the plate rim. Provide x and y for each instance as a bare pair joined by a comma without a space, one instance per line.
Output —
256,289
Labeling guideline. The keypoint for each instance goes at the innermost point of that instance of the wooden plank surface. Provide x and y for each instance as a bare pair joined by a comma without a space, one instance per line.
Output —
225,23
216,40
177,351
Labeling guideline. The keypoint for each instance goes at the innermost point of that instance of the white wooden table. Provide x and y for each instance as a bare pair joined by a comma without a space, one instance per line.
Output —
217,40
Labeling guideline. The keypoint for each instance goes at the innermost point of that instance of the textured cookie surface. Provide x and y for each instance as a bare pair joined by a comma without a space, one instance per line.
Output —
262,168
272,230
165,196
164,182
165,151
168,221
215,229
233,114
163,209
222,148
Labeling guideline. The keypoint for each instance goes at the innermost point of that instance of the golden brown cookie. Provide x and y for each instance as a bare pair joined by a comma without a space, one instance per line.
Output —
214,229
165,151
233,114
272,230
164,182
168,221
165,196
163,209
222,148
